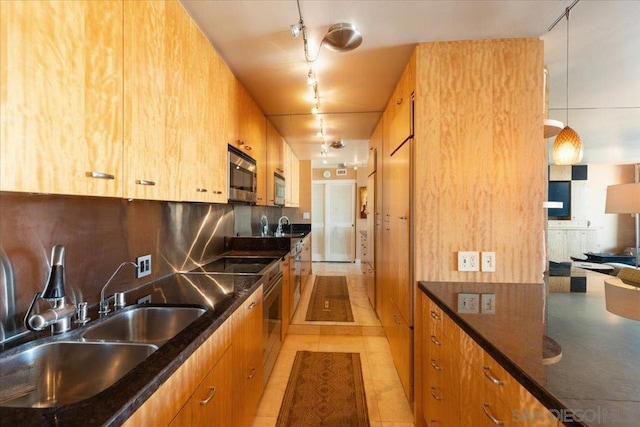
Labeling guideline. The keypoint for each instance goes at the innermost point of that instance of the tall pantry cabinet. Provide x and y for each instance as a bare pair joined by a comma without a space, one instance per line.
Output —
477,177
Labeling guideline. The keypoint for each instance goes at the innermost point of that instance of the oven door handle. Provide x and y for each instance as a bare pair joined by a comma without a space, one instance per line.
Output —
273,283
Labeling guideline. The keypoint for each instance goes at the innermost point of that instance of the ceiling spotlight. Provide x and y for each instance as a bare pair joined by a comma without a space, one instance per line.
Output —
338,144
355,168
342,37
314,110
295,30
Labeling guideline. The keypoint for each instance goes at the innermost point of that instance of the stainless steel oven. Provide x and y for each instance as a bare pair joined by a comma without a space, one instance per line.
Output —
242,176
272,321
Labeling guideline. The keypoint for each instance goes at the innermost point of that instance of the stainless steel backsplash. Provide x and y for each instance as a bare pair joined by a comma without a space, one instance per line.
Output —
98,235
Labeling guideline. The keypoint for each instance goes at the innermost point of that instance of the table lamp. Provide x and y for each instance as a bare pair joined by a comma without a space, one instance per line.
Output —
625,199
622,297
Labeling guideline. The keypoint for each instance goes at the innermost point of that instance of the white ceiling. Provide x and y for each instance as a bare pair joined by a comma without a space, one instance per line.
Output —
254,38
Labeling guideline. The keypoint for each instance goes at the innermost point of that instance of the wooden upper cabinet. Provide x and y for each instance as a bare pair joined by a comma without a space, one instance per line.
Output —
61,78
252,131
156,121
203,175
275,160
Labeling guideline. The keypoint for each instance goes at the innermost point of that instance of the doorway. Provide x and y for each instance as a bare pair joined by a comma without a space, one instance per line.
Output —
333,208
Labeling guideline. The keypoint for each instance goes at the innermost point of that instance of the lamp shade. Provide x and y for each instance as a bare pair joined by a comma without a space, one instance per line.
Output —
567,147
623,199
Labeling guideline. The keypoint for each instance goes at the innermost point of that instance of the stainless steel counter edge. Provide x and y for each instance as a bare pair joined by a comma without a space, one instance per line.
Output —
538,391
117,403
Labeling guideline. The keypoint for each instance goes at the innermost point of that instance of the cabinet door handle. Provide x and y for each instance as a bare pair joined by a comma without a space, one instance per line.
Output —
145,182
434,315
201,190
208,399
434,340
435,366
252,305
433,393
100,175
252,373
485,408
487,373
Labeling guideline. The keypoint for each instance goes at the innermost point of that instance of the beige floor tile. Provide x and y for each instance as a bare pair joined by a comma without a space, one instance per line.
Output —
272,397
264,421
392,402
381,366
301,342
376,344
372,402
349,344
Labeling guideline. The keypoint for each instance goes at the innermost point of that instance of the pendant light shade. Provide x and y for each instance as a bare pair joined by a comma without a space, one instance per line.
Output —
567,147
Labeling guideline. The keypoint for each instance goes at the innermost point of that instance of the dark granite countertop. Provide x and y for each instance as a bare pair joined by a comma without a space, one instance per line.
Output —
597,379
222,295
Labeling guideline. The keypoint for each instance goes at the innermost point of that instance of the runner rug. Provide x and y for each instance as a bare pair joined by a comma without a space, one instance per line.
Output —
324,389
330,300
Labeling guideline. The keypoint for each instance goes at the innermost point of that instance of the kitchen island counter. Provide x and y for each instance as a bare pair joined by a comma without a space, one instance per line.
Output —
596,378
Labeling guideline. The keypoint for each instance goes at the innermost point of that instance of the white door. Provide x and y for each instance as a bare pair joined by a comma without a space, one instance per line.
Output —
333,220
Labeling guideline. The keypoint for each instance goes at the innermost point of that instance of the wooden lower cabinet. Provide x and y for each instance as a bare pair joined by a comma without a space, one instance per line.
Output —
220,383
170,398
247,359
212,401
459,384
400,337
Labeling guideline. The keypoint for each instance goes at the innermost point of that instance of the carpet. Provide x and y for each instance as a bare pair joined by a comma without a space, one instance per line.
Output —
324,389
330,300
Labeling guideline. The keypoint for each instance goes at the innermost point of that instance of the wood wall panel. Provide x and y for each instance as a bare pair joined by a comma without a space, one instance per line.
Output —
480,158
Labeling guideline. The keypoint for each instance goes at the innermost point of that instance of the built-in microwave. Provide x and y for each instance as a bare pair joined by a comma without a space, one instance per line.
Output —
242,176
279,189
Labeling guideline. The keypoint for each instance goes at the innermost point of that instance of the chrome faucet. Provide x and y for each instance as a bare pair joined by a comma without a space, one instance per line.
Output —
118,297
264,222
60,314
279,232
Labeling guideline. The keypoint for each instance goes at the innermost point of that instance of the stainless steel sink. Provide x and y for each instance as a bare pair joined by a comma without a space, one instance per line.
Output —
154,325
64,372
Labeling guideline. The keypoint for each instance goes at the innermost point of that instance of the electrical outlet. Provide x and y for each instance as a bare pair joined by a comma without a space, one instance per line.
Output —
144,266
468,261
488,303
306,215
489,261
468,303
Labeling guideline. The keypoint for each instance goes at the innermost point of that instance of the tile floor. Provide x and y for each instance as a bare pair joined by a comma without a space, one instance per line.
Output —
386,402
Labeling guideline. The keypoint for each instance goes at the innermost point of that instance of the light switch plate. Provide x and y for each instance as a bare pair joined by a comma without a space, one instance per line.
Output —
488,303
488,261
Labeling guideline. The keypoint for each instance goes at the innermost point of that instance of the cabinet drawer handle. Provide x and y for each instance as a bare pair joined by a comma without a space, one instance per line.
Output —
487,373
402,217
434,340
201,190
433,393
395,319
217,192
252,373
208,399
100,175
434,315
435,366
485,408
252,305
145,182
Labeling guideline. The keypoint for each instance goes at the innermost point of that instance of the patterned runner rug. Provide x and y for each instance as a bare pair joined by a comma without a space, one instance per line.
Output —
330,300
324,389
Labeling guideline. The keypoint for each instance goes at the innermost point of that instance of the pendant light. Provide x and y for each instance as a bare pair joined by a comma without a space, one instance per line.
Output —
567,147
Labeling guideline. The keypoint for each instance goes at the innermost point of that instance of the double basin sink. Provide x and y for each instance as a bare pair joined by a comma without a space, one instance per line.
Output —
63,372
